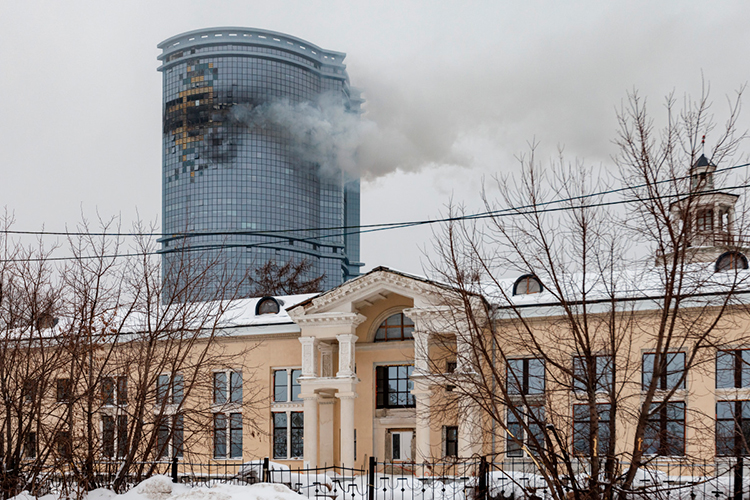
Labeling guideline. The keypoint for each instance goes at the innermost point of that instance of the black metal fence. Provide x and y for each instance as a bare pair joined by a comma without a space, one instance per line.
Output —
479,478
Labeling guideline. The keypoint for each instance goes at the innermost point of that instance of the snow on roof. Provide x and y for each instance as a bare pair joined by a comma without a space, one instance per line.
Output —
645,284
241,312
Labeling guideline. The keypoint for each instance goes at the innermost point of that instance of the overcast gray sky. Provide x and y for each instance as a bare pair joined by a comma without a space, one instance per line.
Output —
461,86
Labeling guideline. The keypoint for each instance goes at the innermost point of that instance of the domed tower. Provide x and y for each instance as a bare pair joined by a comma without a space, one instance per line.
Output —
709,216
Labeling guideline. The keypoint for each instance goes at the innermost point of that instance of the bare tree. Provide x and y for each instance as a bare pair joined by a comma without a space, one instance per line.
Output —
289,278
103,362
579,379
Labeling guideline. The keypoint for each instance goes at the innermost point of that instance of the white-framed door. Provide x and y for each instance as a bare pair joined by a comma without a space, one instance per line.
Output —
401,445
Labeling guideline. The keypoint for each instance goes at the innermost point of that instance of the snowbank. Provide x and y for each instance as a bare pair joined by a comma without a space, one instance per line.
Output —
162,488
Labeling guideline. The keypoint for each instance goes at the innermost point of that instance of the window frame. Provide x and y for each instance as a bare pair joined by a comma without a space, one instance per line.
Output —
231,392
290,435
663,383
118,395
512,447
229,436
64,390
171,429
737,437
382,396
527,279
450,438
601,388
405,329
740,367
525,378
704,220
64,445
664,447
604,424
291,385
166,392
735,258
30,446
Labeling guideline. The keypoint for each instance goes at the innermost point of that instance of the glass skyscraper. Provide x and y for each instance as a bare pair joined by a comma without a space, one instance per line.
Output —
243,187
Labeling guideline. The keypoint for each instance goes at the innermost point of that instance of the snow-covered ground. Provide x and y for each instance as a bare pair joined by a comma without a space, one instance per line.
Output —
649,485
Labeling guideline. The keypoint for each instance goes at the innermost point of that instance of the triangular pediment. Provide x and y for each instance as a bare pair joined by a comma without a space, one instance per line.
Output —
379,284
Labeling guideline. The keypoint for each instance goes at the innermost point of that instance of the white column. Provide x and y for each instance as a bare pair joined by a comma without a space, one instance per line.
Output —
469,428
421,351
347,428
464,353
346,354
309,356
326,359
423,445
310,437
325,408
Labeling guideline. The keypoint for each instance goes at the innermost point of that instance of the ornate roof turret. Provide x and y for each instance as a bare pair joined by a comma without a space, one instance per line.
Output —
707,215
702,174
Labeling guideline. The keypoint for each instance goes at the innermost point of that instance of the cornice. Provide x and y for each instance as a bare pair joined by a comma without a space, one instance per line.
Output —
349,291
329,319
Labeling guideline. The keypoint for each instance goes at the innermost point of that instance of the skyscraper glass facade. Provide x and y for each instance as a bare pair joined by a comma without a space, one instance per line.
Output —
246,189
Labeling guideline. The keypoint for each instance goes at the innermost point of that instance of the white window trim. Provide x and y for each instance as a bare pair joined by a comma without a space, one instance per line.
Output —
170,408
288,432
289,403
109,408
228,436
108,411
229,406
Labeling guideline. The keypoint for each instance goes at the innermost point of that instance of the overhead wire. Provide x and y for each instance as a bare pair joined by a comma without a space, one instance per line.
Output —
365,228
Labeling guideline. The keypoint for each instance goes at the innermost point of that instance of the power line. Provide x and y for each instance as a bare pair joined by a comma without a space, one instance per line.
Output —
385,225
367,228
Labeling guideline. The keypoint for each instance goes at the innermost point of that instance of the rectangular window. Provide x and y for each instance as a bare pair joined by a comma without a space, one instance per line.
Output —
288,433
122,390
169,389
108,436
279,435
705,220
394,386
297,431
533,417
64,445
235,387
235,435
280,386
669,376
108,392
220,388
296,388
29,449
286,386
583,427
599,373
665,431
220,435
162,439
525,376
122,435
63,390
29,391
733,428
451,441
178,436
165,433
733,369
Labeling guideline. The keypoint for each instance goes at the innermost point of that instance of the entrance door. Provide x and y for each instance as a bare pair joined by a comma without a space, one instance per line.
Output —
401,442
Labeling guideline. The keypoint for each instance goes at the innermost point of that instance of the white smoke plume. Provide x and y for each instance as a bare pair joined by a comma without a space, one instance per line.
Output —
326,133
